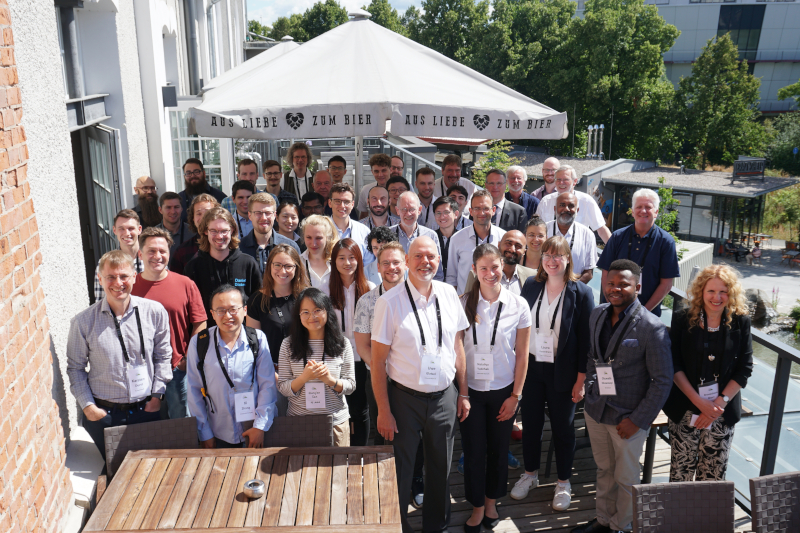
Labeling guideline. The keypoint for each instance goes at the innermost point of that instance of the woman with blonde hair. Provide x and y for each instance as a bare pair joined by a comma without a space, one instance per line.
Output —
712,354
319,234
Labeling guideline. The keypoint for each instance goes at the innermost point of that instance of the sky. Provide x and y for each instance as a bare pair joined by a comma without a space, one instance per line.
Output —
266,11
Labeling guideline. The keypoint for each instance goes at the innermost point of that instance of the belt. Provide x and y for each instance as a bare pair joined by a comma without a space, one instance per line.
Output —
413,392
120,406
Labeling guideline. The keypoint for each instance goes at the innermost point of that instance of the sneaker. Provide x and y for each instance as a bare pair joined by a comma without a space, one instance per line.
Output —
417,490
513,462
562,497
461,465
524,485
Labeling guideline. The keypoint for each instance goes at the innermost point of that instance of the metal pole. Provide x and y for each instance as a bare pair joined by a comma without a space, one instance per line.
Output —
358,178
600,153
611,133
574,108
589,143
594,141
192,45
776,406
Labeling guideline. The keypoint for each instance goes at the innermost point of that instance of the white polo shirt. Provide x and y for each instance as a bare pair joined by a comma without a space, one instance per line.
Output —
588,211
317,281
583,247
395,325
349,315
515,315
459,255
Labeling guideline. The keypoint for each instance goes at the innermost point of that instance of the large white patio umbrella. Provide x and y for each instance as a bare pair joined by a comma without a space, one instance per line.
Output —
268,55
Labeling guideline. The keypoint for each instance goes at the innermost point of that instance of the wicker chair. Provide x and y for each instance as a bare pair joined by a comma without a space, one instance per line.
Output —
177,434
705,506
300,431
775,502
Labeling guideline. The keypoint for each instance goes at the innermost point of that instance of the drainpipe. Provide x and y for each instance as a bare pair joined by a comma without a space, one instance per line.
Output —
69,29
192,46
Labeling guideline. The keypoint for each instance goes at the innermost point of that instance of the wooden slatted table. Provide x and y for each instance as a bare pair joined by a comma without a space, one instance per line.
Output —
309,489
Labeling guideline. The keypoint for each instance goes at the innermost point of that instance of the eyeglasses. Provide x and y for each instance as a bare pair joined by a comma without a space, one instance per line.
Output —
318,313
122,277
563,180
397,191
299,157
337,169
481,209
556,257
259,214
148,188
407,210
222,311
272,173
549,170
396,168
221,233
337,202
287,268
190,173
443,213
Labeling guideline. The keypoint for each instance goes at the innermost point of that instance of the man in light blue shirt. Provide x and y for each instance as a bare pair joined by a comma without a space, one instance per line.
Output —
341,202
236,399
409,209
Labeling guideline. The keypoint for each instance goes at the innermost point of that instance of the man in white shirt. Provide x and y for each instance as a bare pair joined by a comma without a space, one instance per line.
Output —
341,204
408,207
425,180
414,343
580,238
589,214
451,175
379,164
463,243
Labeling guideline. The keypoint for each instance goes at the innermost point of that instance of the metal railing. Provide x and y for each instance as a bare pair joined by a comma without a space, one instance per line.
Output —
416,160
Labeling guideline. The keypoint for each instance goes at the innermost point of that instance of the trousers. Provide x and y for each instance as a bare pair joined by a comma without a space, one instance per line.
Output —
358,406
699,454
535,395
114,418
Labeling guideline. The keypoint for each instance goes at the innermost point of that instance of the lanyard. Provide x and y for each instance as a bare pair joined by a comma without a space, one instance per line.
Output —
462,222
427,213
716,361
409,238
380,290
630,246
555,313
494,329
222,366
122,342
445,251
239,223
419,322
574,231
488,237
610,357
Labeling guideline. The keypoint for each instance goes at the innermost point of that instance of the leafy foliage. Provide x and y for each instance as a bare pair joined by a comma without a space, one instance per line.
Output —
453,27
786,138
385,15
495,157
316,20
783,208
288,26
255,26
790,91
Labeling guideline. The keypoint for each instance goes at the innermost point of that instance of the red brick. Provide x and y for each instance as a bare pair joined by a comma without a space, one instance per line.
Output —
7,57
8,37
13,96
5,16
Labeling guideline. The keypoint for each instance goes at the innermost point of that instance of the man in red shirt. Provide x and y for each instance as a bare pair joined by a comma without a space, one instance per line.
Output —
181,298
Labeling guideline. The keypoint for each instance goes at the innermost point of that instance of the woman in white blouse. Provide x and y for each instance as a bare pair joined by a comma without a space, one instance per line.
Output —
496,346
320,235
315,366
560,308
347,284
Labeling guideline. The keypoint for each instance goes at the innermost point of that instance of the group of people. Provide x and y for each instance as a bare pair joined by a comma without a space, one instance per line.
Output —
407,311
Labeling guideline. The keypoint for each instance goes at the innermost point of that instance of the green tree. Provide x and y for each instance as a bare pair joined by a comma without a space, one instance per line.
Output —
255,26
321,17
453,27
288,26
782,208
495,157
720,101
385,15
790,91
412,22
787,137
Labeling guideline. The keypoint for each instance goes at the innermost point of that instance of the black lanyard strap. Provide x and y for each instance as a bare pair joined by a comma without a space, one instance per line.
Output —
610,357
494,329
630,246
222,366
574,231
445,251
714,360
419,322
122,341
555,313
488,237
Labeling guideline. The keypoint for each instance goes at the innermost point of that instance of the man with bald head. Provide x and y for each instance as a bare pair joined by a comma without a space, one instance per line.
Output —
512,246
415,344
590,216
580,238
409,209
147,202
549,167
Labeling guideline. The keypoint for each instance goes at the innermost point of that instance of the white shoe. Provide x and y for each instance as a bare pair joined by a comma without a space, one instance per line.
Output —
524,485
562,498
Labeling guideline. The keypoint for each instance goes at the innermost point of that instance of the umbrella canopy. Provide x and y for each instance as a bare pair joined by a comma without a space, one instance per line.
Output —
350,80
248,66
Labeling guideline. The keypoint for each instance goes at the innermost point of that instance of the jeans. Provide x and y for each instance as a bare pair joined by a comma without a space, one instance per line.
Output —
114,418
176,395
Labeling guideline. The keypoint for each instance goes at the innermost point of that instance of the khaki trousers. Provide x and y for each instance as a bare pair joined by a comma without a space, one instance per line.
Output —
341,435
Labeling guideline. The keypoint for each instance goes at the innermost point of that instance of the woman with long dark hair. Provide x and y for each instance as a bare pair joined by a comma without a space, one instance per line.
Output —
496,346
315,367
347,284
560,307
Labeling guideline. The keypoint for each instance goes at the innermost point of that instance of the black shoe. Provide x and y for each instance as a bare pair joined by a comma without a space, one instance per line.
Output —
417,490
490,523
472,529
592,527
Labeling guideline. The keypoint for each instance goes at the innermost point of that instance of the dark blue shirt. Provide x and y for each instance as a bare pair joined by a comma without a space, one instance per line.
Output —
528,202
655,254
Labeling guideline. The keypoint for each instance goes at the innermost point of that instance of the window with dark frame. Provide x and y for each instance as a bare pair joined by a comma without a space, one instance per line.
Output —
743,22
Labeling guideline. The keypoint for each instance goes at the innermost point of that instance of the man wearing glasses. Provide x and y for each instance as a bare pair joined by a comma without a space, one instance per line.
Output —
409,209
147,202
298,180
397,168
341,204
195,183
219,260
259,243
272,174
549,167
337,166
380,165
312,203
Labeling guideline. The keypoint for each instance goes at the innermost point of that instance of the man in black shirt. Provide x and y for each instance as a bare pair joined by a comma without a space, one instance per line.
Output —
194,179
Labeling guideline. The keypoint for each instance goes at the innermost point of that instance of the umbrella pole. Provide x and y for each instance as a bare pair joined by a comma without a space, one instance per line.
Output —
358,180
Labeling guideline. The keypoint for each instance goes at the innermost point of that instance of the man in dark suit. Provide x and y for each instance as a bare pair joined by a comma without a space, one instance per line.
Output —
628,379
508,215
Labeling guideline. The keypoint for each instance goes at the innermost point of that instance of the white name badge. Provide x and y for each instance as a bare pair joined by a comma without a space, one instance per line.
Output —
483,366
139,383
545,348
641,283
694,421
709,391
429,370
245,405
315,396
605,380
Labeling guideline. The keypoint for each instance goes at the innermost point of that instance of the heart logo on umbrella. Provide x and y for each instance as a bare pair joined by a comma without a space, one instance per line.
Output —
295,120
481,121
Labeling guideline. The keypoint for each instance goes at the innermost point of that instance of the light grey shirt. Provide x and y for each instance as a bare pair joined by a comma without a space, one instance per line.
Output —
93,342
583,247
420,231
459,256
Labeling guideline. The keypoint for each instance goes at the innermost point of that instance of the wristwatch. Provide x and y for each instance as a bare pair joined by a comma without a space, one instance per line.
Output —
517,396
725,399
159,396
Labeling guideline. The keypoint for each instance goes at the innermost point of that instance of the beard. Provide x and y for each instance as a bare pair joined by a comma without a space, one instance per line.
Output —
196,188
511,259
566,219
380,211
149,206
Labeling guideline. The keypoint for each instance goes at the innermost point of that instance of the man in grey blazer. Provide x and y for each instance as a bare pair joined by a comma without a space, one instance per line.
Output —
628,379
514,275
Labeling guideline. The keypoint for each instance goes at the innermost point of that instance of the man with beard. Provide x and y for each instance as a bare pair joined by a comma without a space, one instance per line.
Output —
312,204
508,215
260,242
188,249
126,229
379,209
273,175
194,178
408,229
451,175
379,164
397,167
580,238
549,167
512,247
147,204
425,179
298,180
219,260
517,178
170,209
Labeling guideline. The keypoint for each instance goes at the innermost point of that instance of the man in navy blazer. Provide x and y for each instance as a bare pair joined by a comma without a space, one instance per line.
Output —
628,379
508,215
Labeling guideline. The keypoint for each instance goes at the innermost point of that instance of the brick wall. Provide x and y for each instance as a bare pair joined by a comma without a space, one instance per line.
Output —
34,483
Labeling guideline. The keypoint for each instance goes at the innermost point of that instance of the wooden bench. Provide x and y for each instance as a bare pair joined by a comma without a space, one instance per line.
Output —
306,489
